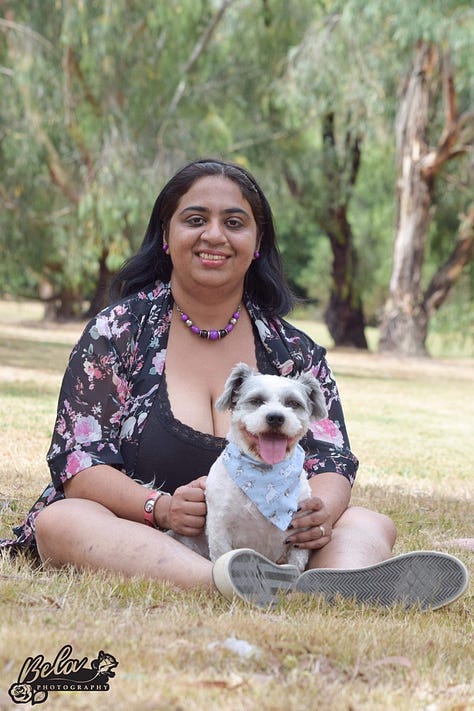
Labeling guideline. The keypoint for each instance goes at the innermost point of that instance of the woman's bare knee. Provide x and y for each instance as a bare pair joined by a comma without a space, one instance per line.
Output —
49,529
54,524
379,524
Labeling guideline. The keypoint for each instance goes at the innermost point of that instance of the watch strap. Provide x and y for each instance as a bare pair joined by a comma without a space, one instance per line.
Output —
149,509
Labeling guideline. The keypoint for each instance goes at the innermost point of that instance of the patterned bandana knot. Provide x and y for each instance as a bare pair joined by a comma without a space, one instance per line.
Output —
273,488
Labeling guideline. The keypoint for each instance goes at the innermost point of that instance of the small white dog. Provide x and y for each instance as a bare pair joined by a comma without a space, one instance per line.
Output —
254,488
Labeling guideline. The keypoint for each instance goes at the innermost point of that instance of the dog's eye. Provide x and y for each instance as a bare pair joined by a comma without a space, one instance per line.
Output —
294,404
256,401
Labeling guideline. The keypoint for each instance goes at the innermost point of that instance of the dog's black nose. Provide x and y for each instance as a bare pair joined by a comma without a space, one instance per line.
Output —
275,419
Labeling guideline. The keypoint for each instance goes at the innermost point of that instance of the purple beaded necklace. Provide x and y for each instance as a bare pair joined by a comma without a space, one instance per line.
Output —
212,335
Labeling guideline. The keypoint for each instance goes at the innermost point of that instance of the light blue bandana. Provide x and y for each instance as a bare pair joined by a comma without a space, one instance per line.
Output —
273,488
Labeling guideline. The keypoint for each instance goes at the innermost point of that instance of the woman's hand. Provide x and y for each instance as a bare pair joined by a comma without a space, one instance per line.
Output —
311,526
186,513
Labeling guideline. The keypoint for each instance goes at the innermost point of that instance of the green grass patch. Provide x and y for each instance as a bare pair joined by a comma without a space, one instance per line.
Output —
38,355
411,425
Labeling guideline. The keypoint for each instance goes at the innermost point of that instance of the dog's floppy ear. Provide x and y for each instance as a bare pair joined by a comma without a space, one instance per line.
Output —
238,374
315,396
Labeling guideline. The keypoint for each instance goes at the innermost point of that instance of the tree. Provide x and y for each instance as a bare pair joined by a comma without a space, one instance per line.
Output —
335,68
336,176
405,322
102,101
320,149
94,88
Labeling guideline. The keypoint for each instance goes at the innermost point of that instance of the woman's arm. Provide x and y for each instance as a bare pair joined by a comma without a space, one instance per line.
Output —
111,488
330,498
184,512
334,490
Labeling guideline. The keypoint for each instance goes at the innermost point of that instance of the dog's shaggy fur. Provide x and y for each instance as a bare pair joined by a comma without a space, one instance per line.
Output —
270,414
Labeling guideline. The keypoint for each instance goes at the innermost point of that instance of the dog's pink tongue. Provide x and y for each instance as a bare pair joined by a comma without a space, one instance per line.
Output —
272,448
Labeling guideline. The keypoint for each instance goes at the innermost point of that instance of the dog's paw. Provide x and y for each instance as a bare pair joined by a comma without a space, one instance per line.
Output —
299,558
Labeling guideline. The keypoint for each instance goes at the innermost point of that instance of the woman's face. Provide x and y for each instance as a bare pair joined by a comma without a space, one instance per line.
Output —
212,235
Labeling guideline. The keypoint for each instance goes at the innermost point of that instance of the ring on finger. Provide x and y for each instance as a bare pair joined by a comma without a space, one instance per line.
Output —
323,532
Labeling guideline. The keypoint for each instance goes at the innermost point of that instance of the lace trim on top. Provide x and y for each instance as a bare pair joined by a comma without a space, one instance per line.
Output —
162,408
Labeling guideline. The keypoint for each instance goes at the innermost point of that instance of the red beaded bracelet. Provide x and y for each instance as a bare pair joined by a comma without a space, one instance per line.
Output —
149,509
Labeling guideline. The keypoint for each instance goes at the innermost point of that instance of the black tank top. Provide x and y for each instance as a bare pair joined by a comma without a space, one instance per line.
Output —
171,453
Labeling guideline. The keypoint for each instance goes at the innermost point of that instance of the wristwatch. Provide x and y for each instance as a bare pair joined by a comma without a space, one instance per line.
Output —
149,509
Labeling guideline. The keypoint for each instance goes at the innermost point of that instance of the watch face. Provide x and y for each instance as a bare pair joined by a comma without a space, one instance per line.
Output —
149,505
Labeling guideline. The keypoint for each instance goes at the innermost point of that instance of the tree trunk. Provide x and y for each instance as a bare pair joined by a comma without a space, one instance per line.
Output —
68,305
407,312
100,298
344,315
404,324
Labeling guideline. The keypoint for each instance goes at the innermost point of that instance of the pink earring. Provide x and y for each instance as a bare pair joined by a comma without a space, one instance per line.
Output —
256,254
165,247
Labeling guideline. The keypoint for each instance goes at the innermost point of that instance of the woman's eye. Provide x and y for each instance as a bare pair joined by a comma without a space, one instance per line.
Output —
195,221
234,223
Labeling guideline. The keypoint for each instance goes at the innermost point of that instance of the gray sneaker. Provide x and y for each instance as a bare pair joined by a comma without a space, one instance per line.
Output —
246,574
426,579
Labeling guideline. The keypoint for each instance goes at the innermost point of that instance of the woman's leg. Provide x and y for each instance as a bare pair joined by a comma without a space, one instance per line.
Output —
88,535
357,564
359,538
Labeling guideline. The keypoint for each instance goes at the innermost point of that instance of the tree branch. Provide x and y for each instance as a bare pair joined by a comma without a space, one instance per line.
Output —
452,144
455,138
59,174
25,30
189,65
447,275
449,92
71,66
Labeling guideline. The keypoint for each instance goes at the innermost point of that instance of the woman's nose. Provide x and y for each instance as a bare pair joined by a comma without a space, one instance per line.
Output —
214,231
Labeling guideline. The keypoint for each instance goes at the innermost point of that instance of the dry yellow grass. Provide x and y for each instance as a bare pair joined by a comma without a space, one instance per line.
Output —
411,423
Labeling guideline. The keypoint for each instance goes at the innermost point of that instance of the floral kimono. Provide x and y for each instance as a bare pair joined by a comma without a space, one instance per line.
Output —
112,378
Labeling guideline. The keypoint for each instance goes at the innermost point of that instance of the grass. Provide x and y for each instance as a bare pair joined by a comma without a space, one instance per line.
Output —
411,424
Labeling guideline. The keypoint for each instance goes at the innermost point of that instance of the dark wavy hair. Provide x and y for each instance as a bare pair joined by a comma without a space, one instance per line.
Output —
265,282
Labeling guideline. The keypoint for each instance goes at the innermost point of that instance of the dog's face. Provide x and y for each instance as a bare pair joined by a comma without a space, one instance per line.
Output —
270,414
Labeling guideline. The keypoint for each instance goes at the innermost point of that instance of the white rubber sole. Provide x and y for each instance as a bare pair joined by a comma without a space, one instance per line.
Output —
425,579
248,575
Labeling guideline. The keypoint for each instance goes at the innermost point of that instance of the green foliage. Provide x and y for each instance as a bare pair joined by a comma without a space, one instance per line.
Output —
90,86
372,215
102,101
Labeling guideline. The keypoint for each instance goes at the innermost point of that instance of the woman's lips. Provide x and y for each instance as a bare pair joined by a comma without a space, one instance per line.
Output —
208,258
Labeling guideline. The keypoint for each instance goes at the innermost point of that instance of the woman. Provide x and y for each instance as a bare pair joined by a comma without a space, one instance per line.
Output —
136,430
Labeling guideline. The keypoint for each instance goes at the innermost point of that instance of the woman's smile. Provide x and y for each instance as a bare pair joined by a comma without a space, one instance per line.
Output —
214,258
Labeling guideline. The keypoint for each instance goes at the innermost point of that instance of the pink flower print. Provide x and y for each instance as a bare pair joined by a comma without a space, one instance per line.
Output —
76,462
61,426
92,371
327,431
116,417
118,330
102,327
119,310
287,367
122,387
87,430
158,362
